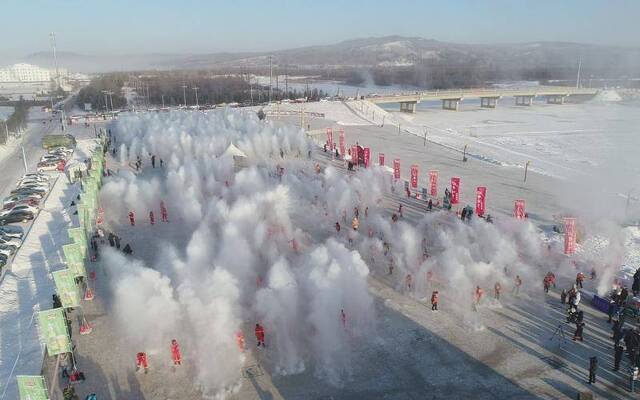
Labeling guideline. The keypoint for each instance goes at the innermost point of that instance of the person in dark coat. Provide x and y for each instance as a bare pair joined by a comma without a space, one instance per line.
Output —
617,357
563,297
593,368
429,205
127,250
111,238
117,239
578,333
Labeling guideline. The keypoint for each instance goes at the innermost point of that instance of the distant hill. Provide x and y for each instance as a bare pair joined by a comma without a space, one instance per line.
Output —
386,51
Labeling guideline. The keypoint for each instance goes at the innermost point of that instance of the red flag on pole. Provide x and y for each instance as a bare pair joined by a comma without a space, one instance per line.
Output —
330,138
396,168
433,183
414,176
519,209
481,196
569,235
367,156
455,190
342,143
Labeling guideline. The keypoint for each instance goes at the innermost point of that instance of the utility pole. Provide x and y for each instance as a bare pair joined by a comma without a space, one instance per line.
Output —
111,102
270,78
425,136
196,90
184,94
24,159
106,105
579,68
55,58
250,89
286,82
162,101
526,169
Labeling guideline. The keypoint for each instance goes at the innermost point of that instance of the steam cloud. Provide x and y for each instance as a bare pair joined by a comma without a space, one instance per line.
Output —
246,246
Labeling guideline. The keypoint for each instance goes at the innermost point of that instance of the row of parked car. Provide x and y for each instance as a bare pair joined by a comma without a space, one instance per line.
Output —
22,205
55,159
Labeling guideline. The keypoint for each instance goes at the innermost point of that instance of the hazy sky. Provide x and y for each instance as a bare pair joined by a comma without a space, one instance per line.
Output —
189,26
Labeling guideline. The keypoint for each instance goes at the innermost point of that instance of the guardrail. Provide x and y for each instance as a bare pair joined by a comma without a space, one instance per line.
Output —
481,92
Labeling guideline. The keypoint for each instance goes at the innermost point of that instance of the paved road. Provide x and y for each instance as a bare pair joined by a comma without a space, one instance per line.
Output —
39,124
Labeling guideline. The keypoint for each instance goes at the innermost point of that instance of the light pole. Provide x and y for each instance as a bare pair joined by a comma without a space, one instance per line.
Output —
526,169
195,89
184,94
106,105
425,136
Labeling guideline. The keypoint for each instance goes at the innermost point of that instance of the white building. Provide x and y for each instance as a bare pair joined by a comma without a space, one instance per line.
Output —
28,73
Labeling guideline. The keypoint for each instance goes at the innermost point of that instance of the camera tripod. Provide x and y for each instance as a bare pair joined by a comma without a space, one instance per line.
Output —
559,332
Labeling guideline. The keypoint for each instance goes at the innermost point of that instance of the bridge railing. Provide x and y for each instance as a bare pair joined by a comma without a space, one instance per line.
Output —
481,92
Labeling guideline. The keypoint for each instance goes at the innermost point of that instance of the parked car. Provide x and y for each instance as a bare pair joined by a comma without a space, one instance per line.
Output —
34,185
7,250
20,207
16,198
12,231
10,242
26,200
18,216
47,166
51,157
29,190
36,175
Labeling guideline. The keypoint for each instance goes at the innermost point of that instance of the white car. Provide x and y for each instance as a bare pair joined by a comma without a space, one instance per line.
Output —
51,157
36,175
12,242
32,180
6,250
61,149
34,185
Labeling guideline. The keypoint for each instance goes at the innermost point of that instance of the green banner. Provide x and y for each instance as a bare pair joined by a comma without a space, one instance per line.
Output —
32,387
73,256
78,235
53,331
66,288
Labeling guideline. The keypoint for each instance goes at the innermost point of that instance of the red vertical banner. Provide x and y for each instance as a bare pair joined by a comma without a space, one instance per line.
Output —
455,190
396,168
330,138
519,209
481,198
354,154
367,156
414,176
433,183
381,159
569,235
342,144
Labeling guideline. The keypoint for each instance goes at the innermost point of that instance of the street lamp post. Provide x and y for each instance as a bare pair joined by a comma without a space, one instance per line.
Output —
184,94
526,169
196,90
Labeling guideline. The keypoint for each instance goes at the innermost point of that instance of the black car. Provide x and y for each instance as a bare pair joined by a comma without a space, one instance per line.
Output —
27,190
12,231
16,216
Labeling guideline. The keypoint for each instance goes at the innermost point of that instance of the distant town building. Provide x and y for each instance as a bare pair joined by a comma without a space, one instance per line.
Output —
28,73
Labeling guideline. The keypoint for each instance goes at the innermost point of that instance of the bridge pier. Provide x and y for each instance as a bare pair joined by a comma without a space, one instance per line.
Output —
408,106
556,98
489,102
451,104
525,100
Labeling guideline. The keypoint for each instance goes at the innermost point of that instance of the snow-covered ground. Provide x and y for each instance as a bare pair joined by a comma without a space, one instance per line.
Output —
27,287
245,246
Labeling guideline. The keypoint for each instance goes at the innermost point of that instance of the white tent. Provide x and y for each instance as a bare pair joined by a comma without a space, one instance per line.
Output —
239,157
234,152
